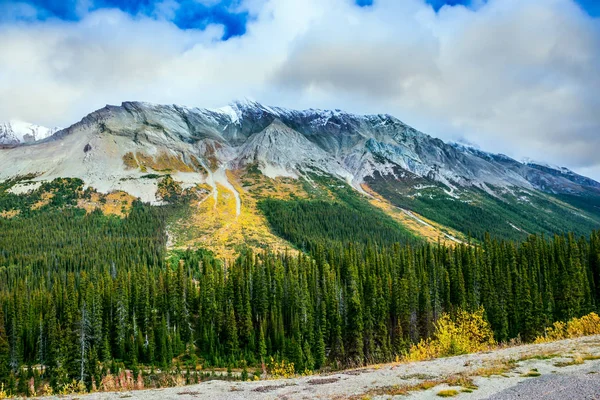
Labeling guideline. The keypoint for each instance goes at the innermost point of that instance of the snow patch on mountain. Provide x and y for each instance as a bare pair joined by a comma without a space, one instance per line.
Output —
534,163
17,132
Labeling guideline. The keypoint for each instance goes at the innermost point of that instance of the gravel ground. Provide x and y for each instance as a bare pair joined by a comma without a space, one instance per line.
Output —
532,374
576,385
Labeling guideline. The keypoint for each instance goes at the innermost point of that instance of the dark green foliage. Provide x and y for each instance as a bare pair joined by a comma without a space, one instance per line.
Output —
70,240
308,223
511,216
65,192
588,203
151,176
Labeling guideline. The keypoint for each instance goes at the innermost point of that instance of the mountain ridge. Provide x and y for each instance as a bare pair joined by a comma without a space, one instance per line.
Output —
131,148
342,135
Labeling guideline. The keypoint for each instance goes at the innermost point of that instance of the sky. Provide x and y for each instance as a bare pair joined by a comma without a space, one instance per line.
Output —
519,77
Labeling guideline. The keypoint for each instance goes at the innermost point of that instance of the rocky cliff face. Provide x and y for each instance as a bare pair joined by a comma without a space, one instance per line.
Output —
280,142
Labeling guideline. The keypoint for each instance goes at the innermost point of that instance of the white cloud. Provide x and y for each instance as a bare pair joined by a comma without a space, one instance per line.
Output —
518,77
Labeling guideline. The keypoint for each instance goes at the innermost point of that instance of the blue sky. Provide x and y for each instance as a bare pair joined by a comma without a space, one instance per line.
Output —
518,77
189,14
194,14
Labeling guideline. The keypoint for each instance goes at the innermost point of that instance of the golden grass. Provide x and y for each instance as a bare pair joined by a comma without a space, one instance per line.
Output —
499,368
577,360
544,355
216,227
574,361
162,162
261,186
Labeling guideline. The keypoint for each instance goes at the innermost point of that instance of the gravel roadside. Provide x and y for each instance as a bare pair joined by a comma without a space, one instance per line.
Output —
564,370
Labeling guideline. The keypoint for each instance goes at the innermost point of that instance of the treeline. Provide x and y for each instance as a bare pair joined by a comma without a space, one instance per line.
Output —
78,293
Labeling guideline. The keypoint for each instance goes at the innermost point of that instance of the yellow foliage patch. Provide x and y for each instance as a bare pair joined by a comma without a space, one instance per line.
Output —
74,387
448,393
46,197
463,334
261,186
8,214
281,369
576,327
162,162
115,203
130,161
214,225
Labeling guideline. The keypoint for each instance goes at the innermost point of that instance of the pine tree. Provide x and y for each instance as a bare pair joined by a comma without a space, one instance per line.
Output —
4,350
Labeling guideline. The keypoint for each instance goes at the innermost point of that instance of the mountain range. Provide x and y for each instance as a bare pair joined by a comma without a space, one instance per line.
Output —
247,152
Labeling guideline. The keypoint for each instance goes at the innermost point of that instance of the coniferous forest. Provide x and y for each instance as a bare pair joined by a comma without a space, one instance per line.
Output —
81,293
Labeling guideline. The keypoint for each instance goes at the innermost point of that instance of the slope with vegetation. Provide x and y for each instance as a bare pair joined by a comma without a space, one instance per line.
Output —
85,295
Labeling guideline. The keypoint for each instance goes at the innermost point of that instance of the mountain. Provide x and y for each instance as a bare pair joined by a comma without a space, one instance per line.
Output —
254,151
18,132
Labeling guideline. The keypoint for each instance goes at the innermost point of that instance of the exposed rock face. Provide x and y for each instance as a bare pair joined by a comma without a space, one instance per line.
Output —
278,141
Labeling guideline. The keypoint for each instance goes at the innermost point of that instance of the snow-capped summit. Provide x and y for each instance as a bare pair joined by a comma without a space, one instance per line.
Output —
16,132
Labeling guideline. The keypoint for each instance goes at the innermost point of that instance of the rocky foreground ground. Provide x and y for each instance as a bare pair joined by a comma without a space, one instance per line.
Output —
568,369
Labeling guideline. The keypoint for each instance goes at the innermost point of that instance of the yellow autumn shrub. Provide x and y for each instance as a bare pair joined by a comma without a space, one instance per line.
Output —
464,333
75,387
584,326
281,369
3,393
576,327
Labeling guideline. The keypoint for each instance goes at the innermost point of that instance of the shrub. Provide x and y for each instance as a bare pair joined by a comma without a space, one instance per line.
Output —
3,393
576,327
465,333
281,369
74,387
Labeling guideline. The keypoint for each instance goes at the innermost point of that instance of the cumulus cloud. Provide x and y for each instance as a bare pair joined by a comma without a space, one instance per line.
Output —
514,76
